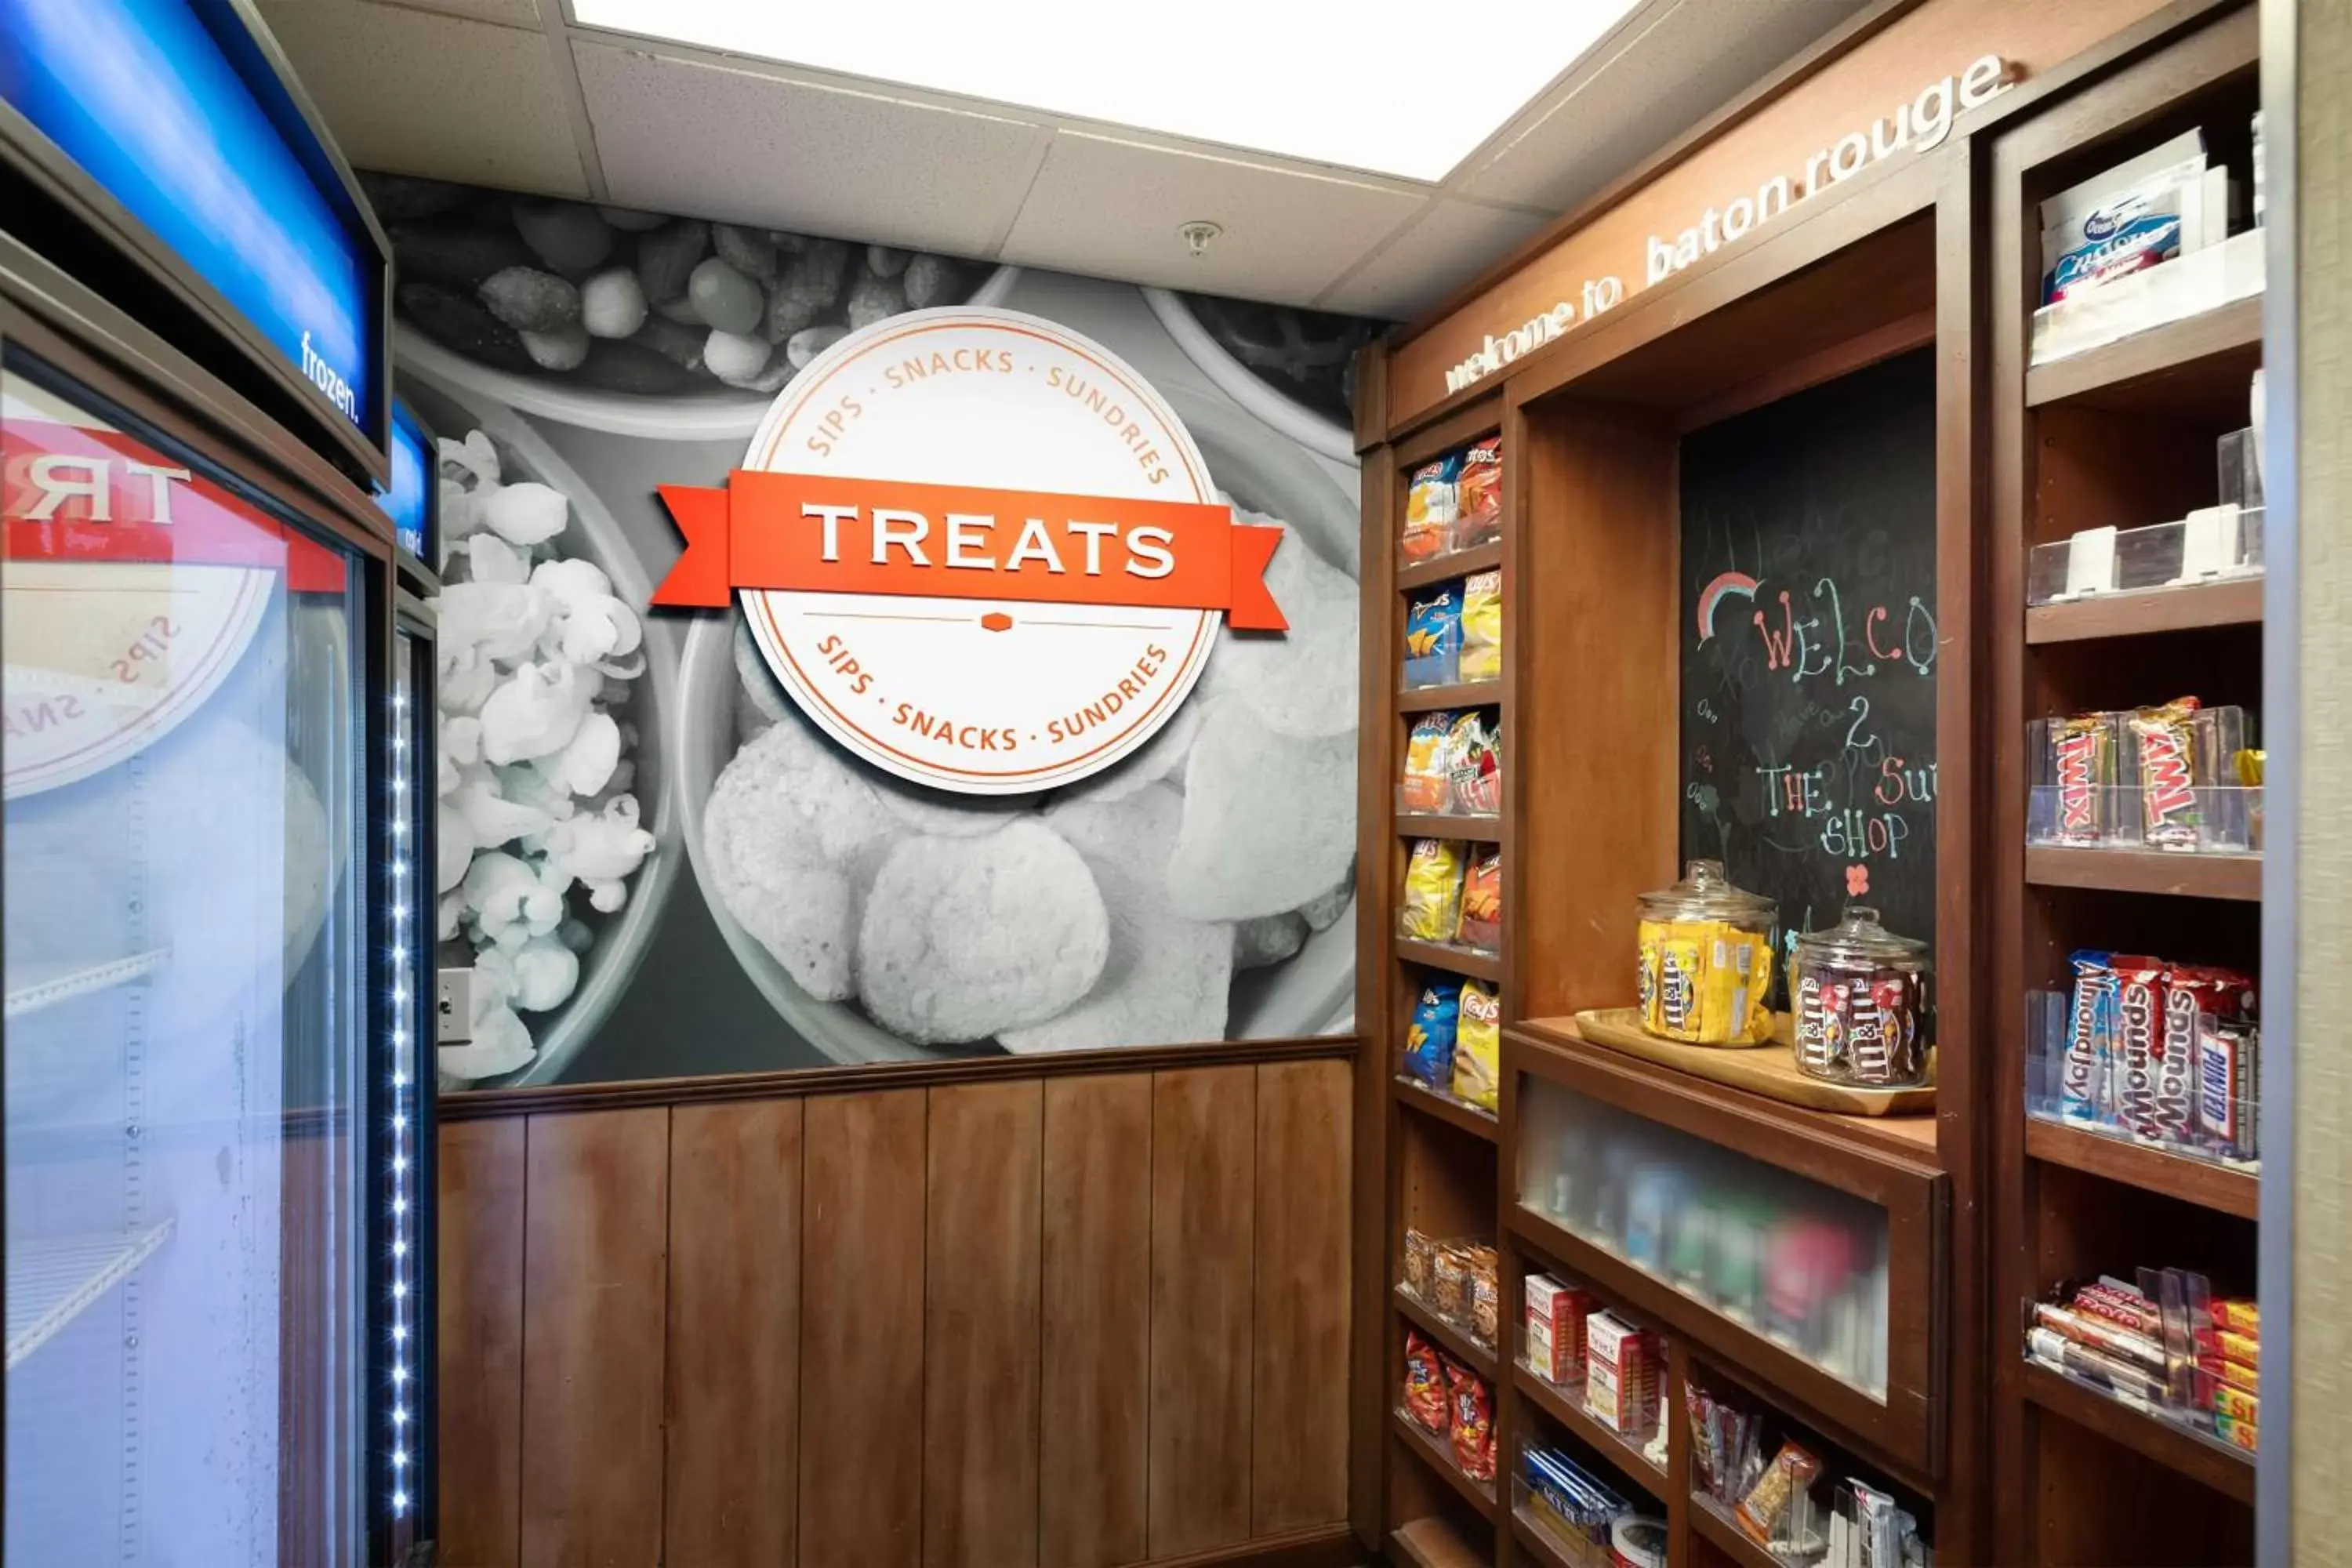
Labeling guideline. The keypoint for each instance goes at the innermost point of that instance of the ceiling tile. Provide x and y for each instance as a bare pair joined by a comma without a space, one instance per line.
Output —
1113,207
678,135
1444,246
513,13
418,93
1689,61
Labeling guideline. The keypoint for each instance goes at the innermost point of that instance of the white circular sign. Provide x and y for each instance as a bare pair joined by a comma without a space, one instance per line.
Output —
982,696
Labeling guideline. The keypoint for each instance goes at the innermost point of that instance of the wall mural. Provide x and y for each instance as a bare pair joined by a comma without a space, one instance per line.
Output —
657,858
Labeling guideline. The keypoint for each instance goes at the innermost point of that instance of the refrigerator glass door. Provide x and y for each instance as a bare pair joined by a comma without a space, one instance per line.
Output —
184,872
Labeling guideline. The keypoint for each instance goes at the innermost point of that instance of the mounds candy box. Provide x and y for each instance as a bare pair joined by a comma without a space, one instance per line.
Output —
1555,1327
1620,1375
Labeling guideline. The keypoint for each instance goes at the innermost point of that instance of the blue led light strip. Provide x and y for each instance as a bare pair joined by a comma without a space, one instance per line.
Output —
401,1183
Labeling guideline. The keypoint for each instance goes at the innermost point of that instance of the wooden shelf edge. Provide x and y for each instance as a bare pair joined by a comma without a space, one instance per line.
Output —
1453,1340
1444,1107
2208,1464
2233,876
2198,1182
1621,1455
1471,694
2174,345
2235,603
1534,1541
1411,575
1708,1518
1432,824
1479,1495
1453,959
1431,1543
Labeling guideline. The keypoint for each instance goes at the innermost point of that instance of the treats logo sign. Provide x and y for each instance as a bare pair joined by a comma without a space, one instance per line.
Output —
978,550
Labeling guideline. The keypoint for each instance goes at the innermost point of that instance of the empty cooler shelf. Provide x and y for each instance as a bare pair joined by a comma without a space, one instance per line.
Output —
33,987
51,1279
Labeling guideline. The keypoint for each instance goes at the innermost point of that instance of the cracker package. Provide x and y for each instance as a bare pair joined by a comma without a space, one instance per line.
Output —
1478,1045
1431,908
1482,900
1429,1038
1479,495
1432,638
1429,763
1474,754
1481,658
1431,506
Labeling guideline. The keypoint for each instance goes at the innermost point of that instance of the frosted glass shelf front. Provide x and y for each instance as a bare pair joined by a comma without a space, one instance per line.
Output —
1802,1264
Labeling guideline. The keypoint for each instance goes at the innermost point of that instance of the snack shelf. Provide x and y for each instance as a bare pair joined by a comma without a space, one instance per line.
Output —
1436,1452
1715,1521
1452,1339
2142,612
34,986
1432,1543
2202,876
1445,1107
2200,1182
1468,694
1480,829
1537,1542
52,1280
1565,1406
2176,365
1453,960
2205,1460
1413,574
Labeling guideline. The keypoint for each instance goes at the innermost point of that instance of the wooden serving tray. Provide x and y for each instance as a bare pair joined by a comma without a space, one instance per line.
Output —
1768,1070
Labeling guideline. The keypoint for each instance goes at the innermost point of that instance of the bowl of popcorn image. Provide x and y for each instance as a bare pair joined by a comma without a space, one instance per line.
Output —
635,323
1201,889
557,839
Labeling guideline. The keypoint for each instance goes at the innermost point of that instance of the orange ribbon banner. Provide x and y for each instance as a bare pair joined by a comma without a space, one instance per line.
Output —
822,533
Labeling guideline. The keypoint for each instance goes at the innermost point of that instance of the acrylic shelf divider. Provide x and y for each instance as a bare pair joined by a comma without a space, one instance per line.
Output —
2200,1182
1437,1453
2201,1459
1450,1339
1898,1176
2163,366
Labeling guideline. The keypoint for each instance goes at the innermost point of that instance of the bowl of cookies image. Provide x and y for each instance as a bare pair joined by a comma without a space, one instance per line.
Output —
1201,889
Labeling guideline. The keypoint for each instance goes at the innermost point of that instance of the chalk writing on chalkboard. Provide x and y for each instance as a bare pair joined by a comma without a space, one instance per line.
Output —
1810,648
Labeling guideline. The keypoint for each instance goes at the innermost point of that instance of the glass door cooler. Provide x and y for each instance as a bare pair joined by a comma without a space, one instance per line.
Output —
215,658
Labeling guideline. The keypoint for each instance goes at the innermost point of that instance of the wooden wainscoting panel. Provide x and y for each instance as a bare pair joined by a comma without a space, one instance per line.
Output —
981,1284
861,1407
593,1275
1204,1174
481,1297
734,1333
1298,1451
1095,1381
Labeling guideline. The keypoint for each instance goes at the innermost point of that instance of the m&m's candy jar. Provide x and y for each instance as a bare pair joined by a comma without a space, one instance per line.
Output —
1859,992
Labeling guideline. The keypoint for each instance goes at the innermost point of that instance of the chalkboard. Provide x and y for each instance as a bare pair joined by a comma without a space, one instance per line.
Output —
1810,646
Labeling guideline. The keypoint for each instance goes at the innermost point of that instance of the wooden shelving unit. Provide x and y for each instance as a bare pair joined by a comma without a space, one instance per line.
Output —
2123,435
1476,830
1453,959
1446,568
1437,1454
1461,1114
1470,694
1431,1543
1565,1406
1713,1520
1451,1340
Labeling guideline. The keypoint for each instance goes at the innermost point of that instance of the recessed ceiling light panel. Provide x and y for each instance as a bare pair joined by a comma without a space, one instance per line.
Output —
1388,86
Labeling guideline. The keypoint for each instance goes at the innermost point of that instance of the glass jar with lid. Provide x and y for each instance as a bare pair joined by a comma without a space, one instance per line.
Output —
1706,963
1860,995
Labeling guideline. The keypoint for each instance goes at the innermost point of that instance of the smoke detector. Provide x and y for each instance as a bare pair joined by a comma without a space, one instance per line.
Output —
1198,234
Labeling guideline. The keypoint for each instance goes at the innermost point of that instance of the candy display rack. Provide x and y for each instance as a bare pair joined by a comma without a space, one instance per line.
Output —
2121,434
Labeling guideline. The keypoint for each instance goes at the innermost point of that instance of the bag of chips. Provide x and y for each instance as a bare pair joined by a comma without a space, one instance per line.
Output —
1478,1045
1431,907
1481,658
1426,1398
1432,638
1479,495
1474,753
1431,506
1765,1508
1429,763
1429,1038
1474,1421
1482,900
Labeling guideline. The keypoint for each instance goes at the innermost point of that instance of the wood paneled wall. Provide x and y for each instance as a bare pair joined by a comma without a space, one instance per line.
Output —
1069,1322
